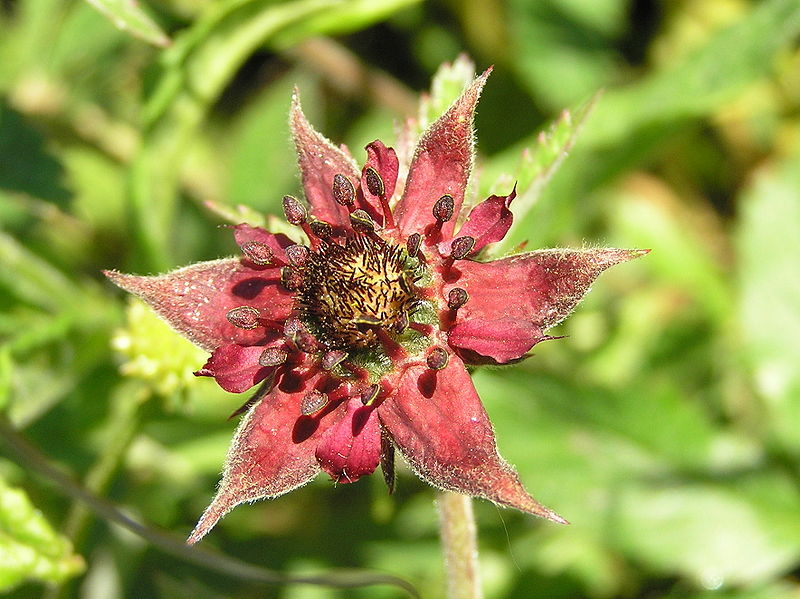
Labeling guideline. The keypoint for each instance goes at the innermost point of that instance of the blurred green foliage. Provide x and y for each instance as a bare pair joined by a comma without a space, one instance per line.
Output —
666,427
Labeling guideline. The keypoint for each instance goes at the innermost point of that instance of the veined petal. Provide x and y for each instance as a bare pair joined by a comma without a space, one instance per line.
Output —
352,447
487,222
196,299
502,340
539,288
442,164
236,367
272,452
319,162
438,424
384,161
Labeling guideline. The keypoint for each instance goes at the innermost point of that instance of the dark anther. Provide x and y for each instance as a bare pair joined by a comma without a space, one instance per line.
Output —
291,327
332,359
456,298
243,317
313,401
361,221
306,342
295,212
438,359
321,229
374,182
297,254
443,208
257,252
291,279
343,191
273,356
412,244
401,324
461,247
370,394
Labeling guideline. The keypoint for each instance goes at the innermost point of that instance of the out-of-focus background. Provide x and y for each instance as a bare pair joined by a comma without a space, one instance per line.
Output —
665,427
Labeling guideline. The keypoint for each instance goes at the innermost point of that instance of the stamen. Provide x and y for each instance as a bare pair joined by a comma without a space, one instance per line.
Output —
370,394
306,342
321,229
273,356
257,252
413,243
294,211
313,401
376,187
461,247
244,317
297,254
291,327
456,298
291,279
343,191
374,182
361,221
438,359
387,460
332,359
443,209
401,324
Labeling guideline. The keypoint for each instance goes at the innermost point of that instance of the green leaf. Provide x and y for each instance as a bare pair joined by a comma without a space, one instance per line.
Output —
447,84
5,376
714,534
768,241
128,16
538,165
196,69
29,547
703,80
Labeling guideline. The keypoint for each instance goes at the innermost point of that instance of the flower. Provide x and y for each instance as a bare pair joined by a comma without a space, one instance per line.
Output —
359,339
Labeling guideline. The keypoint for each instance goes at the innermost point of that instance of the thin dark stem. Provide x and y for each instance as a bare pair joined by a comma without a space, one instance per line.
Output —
32,459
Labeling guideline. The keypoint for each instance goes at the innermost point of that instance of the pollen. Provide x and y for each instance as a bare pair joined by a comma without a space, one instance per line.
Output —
351,292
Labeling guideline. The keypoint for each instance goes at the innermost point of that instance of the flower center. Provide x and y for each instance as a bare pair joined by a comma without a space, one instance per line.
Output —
350,292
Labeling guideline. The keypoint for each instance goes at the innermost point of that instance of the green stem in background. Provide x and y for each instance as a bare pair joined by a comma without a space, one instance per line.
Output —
119,433
460,546
33,460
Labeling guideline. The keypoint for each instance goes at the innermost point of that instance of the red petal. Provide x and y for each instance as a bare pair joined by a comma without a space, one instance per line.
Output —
271,454
195,299
502,340
538,288
384,161
487,222
441,164
351,448
277,243
438,424
319,162
236,367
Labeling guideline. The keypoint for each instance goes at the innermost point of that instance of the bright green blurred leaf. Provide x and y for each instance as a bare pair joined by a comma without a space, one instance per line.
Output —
768,241
714,534
29,547
129,17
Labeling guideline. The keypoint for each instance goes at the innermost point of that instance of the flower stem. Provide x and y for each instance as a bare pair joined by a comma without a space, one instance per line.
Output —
460,546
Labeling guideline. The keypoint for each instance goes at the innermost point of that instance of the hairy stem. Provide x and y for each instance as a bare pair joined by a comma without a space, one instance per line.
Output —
460,546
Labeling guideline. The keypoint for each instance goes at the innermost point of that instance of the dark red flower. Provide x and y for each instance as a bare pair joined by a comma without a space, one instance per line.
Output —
359,339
